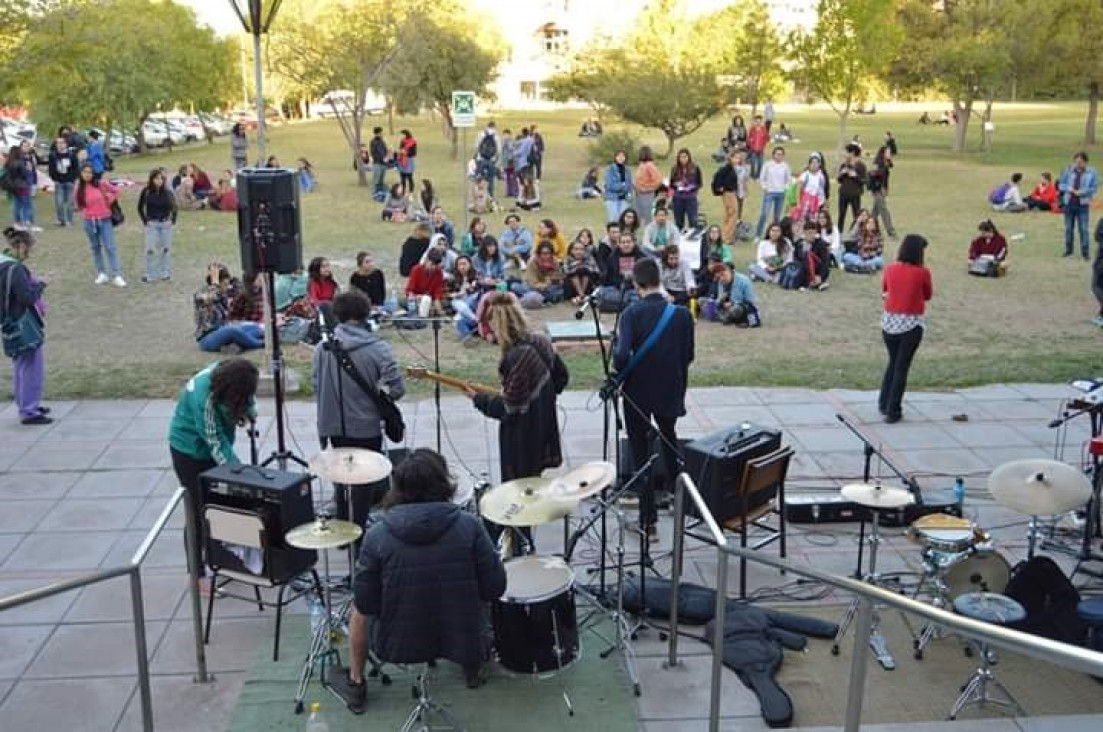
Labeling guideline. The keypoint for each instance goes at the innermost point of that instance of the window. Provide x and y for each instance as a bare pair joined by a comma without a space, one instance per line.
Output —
528,90
555,40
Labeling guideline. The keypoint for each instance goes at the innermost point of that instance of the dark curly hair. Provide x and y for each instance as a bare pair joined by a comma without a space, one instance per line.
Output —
233,385
422,477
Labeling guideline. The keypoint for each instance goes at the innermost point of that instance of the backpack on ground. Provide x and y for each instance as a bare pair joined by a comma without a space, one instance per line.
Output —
1049,599
997,194
488,147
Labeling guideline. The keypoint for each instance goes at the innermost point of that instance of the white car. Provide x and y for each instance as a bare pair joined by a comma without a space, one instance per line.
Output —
154,134
343,99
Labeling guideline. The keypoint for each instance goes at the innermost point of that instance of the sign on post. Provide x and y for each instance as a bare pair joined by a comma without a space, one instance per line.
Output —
463,109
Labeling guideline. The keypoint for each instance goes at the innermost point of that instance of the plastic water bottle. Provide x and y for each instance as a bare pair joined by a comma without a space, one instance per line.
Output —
316,723
1021,236
959,495
391,303
317,613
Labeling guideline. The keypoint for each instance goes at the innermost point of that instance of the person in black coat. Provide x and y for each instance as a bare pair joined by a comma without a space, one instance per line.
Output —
425,572
655,390
64,169
413,249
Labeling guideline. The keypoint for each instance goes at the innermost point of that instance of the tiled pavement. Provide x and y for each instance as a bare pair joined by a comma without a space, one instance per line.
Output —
80,495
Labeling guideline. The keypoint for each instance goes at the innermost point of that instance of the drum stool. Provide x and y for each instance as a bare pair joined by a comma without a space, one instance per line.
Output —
987,607
1091,612
426,706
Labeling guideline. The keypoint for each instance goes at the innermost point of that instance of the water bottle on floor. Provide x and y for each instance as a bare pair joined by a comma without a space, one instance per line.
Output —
316,723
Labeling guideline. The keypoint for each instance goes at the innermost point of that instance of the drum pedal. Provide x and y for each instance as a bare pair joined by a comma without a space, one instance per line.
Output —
881,651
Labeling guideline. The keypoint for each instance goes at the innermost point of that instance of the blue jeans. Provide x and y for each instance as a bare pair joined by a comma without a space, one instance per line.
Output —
378,178
854,261
246,335
158,250
1076,216
23,209
754,159
63,202
777,200
101,235
614,207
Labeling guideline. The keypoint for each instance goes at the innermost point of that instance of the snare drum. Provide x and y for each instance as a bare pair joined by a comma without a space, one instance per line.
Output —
945,534
535,628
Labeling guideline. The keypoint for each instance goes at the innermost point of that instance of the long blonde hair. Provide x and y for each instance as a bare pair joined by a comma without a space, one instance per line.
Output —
506,319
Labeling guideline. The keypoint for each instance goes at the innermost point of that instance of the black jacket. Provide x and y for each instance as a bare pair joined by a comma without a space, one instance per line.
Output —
613,277
412,250
425,570
658,383
58,160
157,205
23,294
377,148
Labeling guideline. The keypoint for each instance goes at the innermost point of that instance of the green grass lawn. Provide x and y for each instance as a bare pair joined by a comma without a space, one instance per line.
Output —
1030,326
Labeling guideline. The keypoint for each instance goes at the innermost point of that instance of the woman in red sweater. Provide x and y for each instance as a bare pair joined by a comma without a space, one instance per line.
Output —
906,288
321,288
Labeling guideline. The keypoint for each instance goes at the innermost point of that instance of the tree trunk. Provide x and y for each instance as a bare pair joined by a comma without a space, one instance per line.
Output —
844,121
358,139
448,129
963,109
390,116
1093,113
670,140
143,148
985,131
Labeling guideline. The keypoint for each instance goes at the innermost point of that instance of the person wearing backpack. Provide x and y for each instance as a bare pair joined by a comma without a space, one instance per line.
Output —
1007,197
487,154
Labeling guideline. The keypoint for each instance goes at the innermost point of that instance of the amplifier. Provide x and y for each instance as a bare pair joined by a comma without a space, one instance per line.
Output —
716,461
282,500
823,508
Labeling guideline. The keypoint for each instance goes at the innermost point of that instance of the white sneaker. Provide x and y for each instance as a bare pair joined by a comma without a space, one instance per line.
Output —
118,281
36,229
102,279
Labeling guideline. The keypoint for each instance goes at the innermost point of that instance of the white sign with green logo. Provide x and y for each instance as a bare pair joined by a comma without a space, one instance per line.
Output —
463,109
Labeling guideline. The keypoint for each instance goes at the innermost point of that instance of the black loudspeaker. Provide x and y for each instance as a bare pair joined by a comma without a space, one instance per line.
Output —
281,500
268,222
715,463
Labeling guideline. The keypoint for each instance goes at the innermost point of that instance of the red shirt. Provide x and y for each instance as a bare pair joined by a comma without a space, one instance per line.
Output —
757,138
1046,193
995,247
320,291
424,282
907,288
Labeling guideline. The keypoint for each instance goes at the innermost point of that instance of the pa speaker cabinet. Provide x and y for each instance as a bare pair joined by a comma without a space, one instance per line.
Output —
280,499
716,462
269,223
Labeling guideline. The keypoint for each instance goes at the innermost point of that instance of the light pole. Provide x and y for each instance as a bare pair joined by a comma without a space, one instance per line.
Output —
256,17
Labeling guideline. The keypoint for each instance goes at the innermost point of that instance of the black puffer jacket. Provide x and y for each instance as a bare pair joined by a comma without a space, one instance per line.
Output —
426,570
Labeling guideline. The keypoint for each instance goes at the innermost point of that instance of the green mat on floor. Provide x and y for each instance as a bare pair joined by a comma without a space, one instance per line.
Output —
598,688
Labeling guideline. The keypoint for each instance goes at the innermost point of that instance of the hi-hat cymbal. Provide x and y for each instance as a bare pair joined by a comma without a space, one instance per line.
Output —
526,502
1039,487
350,465
323,534
875,495
586,480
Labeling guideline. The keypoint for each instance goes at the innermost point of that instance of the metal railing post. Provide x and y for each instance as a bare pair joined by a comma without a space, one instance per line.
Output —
676,567
718,638
138,611
857,689
201,675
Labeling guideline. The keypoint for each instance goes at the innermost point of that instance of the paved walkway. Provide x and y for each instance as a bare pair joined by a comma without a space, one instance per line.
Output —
80,494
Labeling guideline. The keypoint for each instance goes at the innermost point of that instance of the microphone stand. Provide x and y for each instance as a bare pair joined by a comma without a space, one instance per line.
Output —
436,360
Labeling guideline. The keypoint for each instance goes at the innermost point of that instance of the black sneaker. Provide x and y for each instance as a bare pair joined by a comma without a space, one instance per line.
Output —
37,419
355,696
473,676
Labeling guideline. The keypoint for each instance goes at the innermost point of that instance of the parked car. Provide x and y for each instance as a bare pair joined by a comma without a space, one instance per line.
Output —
217,124
13,132
117,142
343,99
154,134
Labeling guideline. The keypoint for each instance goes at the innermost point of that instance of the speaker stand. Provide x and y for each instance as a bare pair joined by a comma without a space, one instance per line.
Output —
281,455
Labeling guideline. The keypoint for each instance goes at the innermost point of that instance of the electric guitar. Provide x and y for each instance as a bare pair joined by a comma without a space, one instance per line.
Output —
414,372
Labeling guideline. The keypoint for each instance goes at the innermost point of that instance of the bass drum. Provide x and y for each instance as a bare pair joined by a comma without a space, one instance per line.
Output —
535,628
983,570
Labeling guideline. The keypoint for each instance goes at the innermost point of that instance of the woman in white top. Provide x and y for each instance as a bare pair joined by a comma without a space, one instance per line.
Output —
774,252
830,234
813,190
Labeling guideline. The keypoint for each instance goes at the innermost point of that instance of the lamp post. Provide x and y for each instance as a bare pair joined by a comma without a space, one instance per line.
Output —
256,17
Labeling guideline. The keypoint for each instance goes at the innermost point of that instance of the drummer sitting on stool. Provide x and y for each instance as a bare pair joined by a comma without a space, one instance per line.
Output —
425,572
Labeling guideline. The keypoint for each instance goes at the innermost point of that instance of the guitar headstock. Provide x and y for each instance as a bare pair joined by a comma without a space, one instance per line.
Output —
416,372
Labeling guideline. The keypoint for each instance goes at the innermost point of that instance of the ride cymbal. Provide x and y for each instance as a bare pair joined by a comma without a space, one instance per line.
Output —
1039,487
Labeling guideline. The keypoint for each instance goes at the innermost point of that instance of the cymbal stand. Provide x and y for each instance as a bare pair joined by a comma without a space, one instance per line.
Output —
876,640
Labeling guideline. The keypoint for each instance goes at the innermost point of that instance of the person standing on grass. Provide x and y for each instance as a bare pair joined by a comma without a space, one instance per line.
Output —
618,186
239,146
157,209
730,183
685,182
647,182
905,287
768,114
209,409
775,179
879,189
538,149
407,161
1078,185
378,154
23,294
19,181
64,168
94,199
757,139
97,158
852,179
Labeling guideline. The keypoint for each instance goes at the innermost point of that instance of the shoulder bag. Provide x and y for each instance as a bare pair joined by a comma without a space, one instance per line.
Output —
23,334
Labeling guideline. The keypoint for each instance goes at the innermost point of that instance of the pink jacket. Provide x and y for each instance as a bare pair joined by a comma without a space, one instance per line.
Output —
97,201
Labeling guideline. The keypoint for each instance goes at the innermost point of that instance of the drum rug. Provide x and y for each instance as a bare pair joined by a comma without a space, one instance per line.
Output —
599,690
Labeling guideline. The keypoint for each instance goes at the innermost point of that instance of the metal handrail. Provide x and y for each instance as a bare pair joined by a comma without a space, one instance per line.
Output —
133,570
1063,654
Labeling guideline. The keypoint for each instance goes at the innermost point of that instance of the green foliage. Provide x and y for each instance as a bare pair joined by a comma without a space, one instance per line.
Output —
1076,48
73,65
741,41
601,150
582,81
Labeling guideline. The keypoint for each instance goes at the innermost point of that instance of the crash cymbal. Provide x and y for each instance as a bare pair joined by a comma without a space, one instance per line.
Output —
526,502
876,495
350,465
586,480
1039,487
323,534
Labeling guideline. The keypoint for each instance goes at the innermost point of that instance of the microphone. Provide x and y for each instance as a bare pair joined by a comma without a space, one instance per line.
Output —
587,303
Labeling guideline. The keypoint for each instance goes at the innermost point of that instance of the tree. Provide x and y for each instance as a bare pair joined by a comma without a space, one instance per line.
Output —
437,53
586,73
72,65
1077,48
741,41
852,41
337,46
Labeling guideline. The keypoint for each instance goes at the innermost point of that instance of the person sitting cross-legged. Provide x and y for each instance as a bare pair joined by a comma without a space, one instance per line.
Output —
731,299
991,244
426,570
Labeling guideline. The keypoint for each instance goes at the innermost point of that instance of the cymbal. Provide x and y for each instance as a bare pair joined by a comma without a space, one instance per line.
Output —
323,534
1039,487
350,465
526,502
586,480
876,495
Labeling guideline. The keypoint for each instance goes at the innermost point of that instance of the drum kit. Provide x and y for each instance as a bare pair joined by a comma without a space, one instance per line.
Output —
536,630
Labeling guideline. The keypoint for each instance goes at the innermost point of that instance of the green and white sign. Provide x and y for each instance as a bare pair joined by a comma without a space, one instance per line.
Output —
463,109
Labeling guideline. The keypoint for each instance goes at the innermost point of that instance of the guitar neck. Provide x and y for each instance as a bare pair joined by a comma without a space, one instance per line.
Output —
450,381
